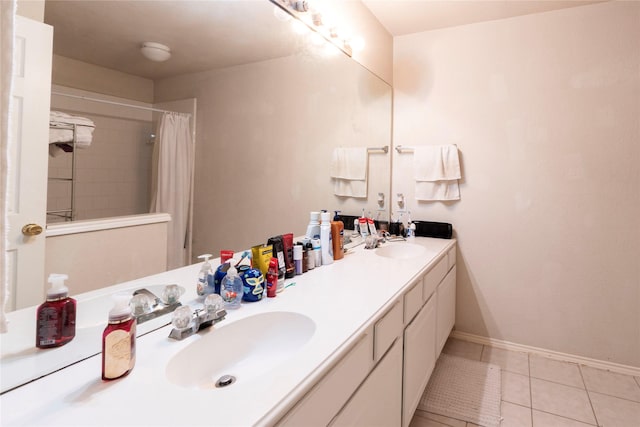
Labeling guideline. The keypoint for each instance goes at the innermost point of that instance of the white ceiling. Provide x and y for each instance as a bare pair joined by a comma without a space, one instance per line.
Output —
402,17
201,34
221,33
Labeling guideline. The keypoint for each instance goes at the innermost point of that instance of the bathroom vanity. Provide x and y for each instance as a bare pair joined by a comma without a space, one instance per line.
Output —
352,343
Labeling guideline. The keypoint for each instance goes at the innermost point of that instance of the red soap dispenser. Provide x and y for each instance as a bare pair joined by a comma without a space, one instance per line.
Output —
56,317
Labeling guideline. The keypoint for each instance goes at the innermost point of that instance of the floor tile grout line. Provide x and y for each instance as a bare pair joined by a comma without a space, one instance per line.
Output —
615,397
556,382
565,417
595,417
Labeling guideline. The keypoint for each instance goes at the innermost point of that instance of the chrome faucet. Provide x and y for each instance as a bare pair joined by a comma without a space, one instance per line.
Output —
147,305
186,323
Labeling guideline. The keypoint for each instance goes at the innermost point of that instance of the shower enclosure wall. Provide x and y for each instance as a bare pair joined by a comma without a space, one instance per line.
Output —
112,176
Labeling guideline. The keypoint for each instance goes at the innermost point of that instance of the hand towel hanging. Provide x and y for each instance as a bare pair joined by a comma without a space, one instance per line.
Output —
349,171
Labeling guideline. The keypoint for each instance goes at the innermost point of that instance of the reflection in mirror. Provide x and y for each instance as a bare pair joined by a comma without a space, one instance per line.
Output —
271,107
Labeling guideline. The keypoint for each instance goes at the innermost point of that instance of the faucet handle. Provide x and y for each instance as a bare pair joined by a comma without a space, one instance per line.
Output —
182,318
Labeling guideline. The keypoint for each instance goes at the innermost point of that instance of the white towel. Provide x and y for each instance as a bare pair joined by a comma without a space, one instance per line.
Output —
349,188
437,190
58,121
349,163
436,163
349,171
436,169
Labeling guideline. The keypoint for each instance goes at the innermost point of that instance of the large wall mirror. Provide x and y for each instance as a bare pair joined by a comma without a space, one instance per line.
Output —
272,105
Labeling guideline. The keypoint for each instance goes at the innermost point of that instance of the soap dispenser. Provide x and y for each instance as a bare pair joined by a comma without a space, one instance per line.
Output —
203,277
56,317
119,340
231,289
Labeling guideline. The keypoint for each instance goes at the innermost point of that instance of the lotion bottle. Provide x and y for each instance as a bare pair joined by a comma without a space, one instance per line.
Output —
119,340
337,237
313,229
56,317
326,243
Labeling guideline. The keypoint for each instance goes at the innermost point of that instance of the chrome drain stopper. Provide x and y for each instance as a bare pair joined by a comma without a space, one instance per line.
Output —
225,380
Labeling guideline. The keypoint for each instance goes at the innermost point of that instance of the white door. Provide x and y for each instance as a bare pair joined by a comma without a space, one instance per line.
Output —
28,162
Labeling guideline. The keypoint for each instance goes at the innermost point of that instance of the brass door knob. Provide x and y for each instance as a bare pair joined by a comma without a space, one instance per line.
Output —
31,230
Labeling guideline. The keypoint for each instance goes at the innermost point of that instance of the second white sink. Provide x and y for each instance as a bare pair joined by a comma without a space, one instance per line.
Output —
244,349
401,250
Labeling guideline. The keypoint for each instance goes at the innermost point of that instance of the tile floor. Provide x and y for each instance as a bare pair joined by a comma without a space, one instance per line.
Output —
542,392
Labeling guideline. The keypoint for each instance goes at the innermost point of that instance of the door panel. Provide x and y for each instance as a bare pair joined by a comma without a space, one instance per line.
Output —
27,182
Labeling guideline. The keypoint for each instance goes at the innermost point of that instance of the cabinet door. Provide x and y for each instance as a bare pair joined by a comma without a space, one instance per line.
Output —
378,402
446,308
419,358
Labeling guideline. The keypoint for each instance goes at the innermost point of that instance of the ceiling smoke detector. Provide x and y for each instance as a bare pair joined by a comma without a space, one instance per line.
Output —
155,51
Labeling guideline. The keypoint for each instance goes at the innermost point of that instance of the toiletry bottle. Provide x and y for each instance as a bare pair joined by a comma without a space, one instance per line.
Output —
297,258
313,229
317,252
287,240
205,277
305,258
337,237
119,340
325,238
311,258
272,278
231,288
56,317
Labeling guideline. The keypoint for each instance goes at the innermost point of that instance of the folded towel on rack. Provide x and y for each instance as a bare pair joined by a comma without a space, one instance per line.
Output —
436,169
349,171
436,163
61,132
430,191
349,163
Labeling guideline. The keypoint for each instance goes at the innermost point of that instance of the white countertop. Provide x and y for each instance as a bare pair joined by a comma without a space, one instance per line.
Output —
342,299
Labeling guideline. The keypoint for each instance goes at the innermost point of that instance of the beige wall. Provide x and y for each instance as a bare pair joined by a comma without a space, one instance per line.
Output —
265,133
82,75
545,110
32,9
102,258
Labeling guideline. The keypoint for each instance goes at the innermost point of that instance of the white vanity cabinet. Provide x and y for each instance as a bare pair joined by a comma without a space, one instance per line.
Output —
378,402
355,371
380,380
419,358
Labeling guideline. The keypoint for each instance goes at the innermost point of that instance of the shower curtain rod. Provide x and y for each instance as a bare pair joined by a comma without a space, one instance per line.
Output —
122,104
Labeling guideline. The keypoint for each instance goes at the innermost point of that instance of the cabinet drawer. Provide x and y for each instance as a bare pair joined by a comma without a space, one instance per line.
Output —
412,301
446,296
378,402
434,276
387,329
451,255
325,399
419,358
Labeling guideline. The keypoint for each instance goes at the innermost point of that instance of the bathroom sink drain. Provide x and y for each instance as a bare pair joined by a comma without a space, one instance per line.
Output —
225,380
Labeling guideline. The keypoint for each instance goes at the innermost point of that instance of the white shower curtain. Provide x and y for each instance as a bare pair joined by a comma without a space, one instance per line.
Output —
172,186
7,19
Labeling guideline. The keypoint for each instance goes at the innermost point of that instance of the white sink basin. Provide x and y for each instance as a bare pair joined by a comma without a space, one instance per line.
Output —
401,250
244,349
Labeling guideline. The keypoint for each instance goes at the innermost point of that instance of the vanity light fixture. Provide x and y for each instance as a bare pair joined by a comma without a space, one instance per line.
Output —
155,51
307,13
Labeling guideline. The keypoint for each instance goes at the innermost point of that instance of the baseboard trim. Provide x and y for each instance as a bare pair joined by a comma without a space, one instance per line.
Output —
564,357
